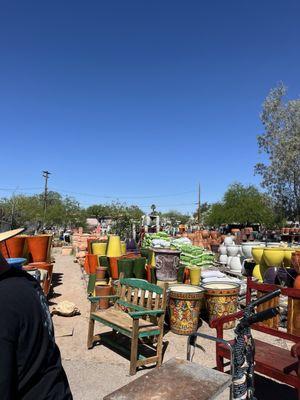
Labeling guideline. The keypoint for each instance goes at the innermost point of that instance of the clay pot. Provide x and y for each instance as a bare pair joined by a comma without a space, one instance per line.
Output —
297,282
213,235
38,247
205,234
15,246
295,261
101,273
4,250
103,290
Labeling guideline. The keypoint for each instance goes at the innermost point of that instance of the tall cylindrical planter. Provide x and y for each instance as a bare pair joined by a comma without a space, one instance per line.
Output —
125,265
38,247
166,264
113,267
139,267
15,246
92,263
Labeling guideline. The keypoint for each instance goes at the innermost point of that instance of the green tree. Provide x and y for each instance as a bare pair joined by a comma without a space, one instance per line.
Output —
244,205
176,217
281,144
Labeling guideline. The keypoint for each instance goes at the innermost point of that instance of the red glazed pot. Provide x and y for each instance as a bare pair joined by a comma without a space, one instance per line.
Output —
113,265
103,290
15,246
297,282
38,247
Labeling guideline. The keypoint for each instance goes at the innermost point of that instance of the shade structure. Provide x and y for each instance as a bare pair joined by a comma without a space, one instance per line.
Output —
114,246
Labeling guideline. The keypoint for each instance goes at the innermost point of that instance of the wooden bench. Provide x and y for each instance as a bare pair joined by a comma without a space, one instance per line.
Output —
273,361
138,312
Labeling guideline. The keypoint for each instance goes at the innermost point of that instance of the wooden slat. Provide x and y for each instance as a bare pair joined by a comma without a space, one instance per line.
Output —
135,296
149,301
122,320
157,301
123,291
128,294
142,298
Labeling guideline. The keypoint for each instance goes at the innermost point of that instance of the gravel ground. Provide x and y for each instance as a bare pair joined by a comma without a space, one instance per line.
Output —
95,373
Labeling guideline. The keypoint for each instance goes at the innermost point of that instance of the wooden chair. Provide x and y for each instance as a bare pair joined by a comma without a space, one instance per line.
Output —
273,361
138,312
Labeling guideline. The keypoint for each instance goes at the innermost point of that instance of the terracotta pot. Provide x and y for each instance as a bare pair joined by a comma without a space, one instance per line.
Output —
92,263
103,290
205,234
297,282
213,235
295,261
15,246
101,273
38,247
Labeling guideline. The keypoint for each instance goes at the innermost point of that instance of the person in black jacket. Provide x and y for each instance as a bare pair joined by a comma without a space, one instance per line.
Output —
30,362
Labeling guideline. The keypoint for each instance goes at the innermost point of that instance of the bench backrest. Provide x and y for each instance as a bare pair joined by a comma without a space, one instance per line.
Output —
292,294
138,294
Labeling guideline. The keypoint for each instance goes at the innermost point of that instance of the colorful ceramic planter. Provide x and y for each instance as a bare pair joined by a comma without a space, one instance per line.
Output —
125,265
273,257
99,248
195,275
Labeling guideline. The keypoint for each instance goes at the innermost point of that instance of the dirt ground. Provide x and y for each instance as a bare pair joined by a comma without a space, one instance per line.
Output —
95,373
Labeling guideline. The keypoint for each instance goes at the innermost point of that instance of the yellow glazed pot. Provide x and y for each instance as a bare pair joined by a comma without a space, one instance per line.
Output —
114,246
99,249
287,260
257,253
273,257
123,248
256,273
195,275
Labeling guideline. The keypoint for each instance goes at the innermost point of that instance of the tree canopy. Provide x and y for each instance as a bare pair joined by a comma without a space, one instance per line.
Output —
176,217
21,210
243,205
281,144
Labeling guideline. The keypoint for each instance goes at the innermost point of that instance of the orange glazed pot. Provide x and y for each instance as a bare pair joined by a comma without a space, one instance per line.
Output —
38,247
92,261
297,282
15,246
113,265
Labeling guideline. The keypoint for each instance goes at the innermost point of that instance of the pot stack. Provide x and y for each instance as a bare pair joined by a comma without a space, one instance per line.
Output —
230,254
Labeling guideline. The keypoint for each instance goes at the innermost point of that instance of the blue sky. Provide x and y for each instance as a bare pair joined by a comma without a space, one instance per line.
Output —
137,100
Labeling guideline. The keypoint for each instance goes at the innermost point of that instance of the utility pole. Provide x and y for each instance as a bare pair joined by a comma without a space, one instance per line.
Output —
199,206
45,175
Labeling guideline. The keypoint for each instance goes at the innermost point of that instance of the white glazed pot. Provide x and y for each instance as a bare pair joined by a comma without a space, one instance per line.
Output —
223,259
229,260
235,264
232,250
247,248
228,241
223,250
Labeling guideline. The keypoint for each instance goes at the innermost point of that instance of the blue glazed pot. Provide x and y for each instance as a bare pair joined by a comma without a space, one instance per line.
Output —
16,262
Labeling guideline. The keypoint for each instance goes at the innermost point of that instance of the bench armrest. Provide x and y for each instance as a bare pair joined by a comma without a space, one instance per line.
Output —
219,322
138,314
95,299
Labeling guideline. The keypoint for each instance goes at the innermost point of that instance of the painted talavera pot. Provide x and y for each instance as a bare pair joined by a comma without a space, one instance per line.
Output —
221,299
166,264
184,305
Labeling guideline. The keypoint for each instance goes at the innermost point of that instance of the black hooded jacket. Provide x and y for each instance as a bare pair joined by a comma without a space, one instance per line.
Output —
30,362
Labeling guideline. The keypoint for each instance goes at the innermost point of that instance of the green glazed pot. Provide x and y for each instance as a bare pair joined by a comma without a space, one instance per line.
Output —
125,265
139,267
